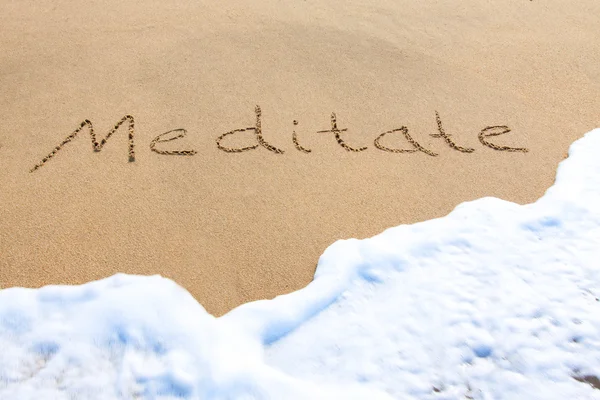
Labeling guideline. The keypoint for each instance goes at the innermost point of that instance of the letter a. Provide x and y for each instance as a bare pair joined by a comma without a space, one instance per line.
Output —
416,146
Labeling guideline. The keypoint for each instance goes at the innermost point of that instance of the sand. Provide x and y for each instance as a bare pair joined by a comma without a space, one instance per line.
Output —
237,227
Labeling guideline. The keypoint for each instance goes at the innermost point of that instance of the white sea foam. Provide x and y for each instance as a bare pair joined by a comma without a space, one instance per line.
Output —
493,301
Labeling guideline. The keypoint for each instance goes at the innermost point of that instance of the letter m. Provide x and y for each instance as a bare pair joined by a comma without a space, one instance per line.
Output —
97,146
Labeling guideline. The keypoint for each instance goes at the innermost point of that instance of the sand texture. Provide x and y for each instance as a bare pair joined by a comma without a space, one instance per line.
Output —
232,227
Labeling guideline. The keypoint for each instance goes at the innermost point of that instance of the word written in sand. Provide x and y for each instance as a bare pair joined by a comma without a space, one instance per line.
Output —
484,135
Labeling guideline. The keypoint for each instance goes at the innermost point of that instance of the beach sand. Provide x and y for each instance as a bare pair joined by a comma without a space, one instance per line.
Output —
233,228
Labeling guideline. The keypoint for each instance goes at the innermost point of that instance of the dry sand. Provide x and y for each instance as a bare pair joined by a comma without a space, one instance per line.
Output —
232,228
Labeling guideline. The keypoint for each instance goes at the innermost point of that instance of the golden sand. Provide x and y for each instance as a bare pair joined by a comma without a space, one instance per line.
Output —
236,227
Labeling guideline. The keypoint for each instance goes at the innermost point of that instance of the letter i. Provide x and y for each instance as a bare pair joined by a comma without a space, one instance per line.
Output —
295,140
